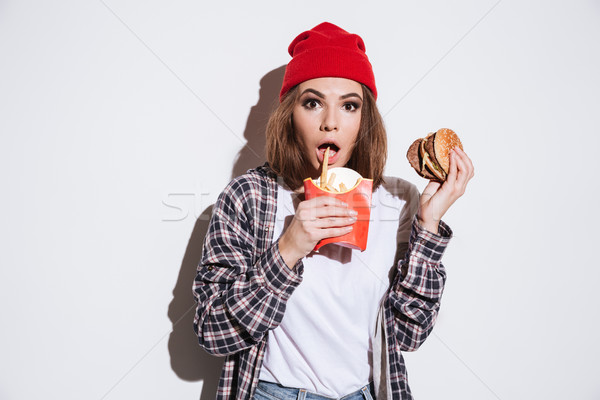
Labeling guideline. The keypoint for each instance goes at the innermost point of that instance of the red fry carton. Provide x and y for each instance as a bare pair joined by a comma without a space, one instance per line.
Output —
356,192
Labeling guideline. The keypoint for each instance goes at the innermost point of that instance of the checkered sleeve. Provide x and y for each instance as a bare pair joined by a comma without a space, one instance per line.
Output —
417,290
241,291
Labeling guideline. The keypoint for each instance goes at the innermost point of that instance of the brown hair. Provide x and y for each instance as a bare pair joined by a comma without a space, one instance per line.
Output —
285,155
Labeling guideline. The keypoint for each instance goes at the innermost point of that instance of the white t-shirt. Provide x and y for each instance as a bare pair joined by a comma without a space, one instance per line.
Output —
323,343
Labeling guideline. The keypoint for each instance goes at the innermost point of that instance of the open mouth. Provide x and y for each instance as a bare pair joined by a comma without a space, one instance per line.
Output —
333,149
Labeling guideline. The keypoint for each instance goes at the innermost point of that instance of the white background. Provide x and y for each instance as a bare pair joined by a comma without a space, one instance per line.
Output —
121,121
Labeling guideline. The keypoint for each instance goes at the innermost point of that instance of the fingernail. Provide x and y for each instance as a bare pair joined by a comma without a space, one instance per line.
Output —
353,212
352,219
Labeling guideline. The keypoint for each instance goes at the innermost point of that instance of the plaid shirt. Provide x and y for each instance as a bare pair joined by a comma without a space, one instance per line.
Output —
242,287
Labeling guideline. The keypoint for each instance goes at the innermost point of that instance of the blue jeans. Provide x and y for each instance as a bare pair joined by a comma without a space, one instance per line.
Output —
274,391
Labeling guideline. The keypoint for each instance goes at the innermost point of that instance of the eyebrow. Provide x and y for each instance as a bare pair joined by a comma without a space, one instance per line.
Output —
321,95
350,95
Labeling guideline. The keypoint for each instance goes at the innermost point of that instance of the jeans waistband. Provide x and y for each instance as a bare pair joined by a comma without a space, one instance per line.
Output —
272,391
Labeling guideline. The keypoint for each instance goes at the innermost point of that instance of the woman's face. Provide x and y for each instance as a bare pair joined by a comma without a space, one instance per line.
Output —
327,114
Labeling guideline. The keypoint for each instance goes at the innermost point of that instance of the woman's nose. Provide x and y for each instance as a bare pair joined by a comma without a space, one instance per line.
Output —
329,122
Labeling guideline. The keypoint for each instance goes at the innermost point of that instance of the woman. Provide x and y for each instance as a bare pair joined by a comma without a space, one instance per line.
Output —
295,323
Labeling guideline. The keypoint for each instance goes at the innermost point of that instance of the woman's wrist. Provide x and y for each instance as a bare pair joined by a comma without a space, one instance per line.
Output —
287,253
430,226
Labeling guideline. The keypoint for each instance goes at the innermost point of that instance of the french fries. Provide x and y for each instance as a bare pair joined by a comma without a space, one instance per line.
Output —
331,179
332,186
324,169
329,184
347,185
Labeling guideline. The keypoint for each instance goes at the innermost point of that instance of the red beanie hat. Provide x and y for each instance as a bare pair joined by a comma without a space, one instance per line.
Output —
327,51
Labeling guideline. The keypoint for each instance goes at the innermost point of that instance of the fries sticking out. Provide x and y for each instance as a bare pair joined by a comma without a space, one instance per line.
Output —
324,169
331,188
331,179
329,184
338,179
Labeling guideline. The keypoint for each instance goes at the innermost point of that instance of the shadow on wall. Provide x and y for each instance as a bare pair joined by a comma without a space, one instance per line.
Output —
253,153
188,360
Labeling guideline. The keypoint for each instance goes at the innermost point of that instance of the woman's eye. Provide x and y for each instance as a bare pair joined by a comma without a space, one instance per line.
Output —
350,106
311,103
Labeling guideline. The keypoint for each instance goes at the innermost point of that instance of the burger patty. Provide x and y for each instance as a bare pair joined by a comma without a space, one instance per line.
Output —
430,148
415,158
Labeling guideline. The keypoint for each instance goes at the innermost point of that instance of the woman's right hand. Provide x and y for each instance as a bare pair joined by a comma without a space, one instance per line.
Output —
315,219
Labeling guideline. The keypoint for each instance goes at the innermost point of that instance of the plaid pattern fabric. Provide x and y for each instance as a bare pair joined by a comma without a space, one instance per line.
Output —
242,286
413,300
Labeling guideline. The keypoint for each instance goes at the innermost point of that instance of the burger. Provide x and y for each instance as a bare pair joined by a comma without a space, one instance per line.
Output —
430,156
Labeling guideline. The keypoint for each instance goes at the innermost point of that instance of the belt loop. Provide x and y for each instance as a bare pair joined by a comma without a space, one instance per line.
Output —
301,394
366,393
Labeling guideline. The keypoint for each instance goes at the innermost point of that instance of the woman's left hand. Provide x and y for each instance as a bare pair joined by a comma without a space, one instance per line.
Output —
438,197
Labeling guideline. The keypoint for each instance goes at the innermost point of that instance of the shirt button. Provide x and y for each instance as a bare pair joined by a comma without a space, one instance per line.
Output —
210,268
